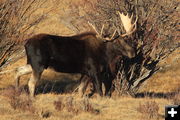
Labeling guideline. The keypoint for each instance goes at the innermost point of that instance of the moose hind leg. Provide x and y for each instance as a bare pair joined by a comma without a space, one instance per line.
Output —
23,70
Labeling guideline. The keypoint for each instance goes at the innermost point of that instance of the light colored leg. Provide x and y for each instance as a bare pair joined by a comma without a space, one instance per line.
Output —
23,70
92,90
32,82
83,85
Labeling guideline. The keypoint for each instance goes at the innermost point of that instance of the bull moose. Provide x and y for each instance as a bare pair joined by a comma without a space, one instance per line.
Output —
88,53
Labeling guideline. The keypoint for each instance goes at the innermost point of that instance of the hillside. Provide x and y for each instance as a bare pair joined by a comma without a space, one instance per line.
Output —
56,98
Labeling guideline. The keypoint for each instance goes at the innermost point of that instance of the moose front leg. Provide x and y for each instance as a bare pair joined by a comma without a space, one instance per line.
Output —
108,85
93,90
84,81
97,82
107,80
32,82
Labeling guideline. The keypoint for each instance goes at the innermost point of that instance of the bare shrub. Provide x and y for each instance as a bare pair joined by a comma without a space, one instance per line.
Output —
67,103
148,110
59,104
87,107
176,98
19,99
16,21
155,38
75,106
71,105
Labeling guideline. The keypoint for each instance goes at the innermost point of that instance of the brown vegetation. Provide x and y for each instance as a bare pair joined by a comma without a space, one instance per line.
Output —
18,99
148,110
176,98
75,106
17,19
66,17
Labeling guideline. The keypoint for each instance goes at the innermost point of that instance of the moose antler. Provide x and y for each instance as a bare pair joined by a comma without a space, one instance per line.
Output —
127,23
95,29
100,35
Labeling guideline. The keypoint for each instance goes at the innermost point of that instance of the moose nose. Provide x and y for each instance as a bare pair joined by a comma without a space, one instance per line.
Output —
131,54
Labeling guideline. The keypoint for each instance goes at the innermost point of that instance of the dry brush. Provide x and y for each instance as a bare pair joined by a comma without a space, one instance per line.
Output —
17,21
155,38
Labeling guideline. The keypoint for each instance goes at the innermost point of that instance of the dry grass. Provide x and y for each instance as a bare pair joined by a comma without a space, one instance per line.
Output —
114,108
149,110
18,99
48,104
176,98
75,106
